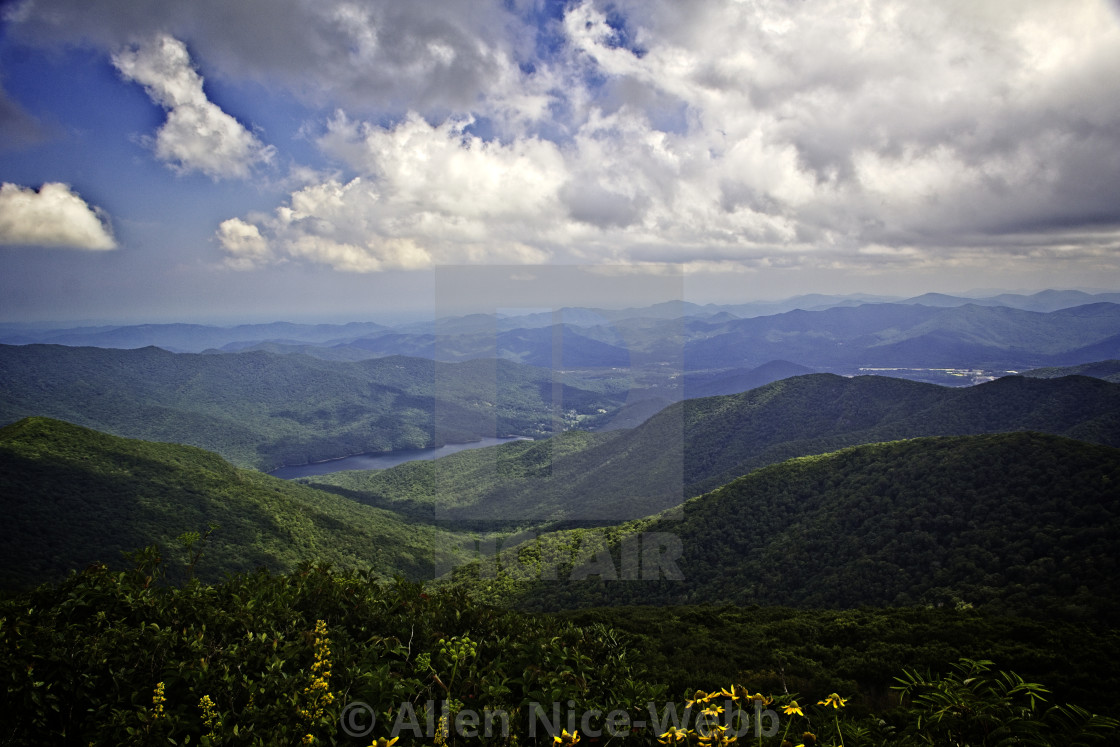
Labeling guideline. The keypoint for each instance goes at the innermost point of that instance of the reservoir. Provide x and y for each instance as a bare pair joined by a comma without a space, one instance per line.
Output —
384,460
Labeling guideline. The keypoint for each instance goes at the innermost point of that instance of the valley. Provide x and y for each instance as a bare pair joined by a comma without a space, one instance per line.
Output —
841,483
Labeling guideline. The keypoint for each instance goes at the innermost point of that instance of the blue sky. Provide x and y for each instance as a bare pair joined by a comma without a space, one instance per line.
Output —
272,159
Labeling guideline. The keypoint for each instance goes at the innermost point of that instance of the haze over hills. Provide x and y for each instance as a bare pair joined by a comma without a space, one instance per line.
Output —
188,338
911,335
1107,370
1045,301
841,339
739,380
696,445
835,333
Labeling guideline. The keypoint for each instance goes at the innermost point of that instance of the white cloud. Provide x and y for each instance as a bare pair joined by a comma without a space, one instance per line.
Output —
53,216
802,134
427,194
953,104
198,135
246,247
768,133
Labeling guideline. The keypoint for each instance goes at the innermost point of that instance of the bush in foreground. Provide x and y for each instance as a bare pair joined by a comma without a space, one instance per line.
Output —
320,656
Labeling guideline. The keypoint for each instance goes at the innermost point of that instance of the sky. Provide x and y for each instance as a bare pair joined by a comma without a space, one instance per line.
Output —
329,159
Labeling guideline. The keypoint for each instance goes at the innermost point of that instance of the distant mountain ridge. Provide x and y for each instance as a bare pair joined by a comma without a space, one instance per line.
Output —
1044,301
913,335
817,318
840,338
1107,370
192,338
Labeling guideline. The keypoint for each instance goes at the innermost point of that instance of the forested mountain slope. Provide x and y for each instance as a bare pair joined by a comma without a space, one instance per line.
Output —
71,496
1017,522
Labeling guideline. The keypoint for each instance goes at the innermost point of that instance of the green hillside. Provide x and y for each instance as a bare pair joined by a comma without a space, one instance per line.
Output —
264,410
71,496
1016,522
697,445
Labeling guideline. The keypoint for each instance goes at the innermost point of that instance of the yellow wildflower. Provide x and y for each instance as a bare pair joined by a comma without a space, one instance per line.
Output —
210,716
158,700
697,697
833,700
716,737
384,742
673,735
318,689
442,730
566,739
792,709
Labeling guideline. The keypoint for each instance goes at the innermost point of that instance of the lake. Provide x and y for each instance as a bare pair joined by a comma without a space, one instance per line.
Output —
382,460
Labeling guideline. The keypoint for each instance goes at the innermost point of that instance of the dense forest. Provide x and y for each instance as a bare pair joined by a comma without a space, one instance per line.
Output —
1019,522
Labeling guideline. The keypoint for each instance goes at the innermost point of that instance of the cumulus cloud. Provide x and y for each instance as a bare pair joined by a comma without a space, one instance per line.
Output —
427,194
198,135
764,133
52,216
711,133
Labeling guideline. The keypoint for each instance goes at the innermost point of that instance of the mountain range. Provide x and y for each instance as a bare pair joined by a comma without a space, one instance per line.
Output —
263,410
699,444
1018,522
749,435
1006,332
